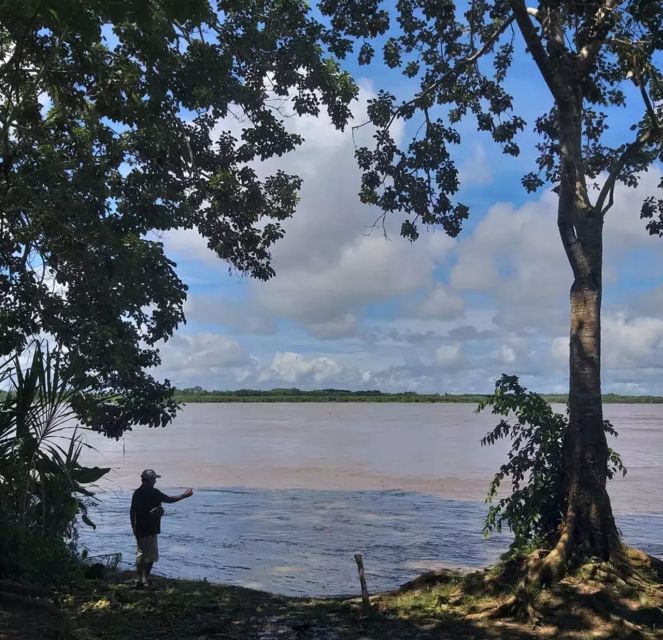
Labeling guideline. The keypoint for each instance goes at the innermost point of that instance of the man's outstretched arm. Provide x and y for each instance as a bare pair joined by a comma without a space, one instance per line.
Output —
169,499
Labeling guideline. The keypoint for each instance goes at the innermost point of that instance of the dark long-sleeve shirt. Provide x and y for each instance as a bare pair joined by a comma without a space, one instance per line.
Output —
146,511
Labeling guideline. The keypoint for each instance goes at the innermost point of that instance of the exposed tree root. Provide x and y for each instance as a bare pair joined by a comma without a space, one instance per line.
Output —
555,563
538,570
623,594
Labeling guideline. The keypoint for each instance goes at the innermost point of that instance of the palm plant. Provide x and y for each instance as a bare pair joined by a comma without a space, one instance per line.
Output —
43,485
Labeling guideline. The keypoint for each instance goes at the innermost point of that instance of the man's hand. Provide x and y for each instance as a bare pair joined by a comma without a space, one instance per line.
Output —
169,499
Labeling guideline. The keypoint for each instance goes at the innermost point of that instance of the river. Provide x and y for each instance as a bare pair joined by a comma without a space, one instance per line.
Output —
285,494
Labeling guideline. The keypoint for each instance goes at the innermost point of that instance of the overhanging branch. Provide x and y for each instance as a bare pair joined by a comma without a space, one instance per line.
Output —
607,192
457,69
648,103
588,52
534,44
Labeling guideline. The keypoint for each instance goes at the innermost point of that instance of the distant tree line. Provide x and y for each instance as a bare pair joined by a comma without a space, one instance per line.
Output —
294,394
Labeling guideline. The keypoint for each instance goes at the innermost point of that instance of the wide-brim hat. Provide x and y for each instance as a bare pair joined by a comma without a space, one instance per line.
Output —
149,473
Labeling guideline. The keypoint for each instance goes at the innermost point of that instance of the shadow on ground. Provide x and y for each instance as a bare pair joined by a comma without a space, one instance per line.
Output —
598,600
111,609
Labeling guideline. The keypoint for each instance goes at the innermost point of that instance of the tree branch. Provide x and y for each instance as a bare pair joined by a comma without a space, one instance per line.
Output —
457,69
643,139
572,247
648,103
489,43
533,12
534,44
567,230
588,53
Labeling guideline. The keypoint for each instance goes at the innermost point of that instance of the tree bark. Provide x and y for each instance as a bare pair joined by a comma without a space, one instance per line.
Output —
589,512
588,524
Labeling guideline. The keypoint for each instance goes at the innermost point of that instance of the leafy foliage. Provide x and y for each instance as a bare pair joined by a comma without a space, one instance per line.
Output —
119,122
44,487
652,210
535,469
459,56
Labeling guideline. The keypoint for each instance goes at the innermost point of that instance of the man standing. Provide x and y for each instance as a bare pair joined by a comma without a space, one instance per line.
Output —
146,515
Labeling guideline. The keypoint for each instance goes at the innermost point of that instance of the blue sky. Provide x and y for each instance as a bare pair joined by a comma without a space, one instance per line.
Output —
352,309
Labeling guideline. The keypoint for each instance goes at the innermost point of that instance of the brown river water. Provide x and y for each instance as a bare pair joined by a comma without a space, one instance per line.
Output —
286,493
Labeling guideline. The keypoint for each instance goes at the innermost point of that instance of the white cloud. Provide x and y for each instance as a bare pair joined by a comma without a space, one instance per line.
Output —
345,325
448,355
507,354
293,367
624,230
368,270
559,349
242,316
442,303
332,263
435,315
634,342
626,343
474,272
516,257
188,244
649,303
204,358
475,170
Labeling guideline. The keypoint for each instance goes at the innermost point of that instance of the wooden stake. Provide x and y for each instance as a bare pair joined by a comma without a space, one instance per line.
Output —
365,602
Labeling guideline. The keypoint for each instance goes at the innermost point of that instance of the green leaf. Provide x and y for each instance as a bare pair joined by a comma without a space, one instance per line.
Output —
85,475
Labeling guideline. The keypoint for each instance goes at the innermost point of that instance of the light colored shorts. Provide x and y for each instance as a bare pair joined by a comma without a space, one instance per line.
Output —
147,549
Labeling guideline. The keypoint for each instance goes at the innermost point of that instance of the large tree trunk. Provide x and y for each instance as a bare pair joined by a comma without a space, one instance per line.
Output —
589,513
588,526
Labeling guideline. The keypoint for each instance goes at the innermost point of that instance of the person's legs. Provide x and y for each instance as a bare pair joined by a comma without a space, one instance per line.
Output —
153,556
146,555
140,565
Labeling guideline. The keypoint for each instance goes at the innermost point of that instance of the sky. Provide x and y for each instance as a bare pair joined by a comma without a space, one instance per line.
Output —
354,308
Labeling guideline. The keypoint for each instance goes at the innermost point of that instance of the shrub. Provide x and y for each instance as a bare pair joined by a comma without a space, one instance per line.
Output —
535,468
43,486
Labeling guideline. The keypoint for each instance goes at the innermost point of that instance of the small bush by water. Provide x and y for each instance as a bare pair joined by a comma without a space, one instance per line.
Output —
535,466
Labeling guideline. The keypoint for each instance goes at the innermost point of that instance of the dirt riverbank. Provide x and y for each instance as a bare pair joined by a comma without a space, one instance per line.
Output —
596,601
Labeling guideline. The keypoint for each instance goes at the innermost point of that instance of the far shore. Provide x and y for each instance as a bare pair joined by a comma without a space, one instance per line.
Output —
336,395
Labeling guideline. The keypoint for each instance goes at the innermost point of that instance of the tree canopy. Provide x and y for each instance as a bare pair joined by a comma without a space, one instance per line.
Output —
112,133
460,55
